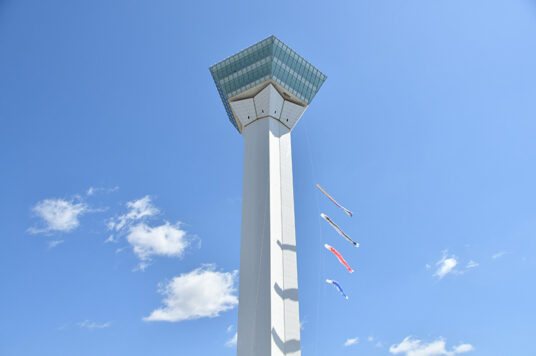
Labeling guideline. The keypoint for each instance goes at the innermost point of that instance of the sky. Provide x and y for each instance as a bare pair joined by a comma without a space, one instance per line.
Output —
121,177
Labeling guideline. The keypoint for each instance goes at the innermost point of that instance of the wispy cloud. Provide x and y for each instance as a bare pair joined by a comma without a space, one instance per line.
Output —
112,239
203,292
472,264
498,255
352,341
137,210
445,265
232,341
93,325
230,328
54,243
58,215
93,190
372,339
414,347
302,323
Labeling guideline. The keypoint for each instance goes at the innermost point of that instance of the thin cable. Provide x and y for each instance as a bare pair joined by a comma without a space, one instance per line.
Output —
320,243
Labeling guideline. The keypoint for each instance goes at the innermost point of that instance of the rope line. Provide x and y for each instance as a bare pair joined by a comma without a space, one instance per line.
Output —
320,243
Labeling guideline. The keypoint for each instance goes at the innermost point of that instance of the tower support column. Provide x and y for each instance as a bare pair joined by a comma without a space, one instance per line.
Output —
265,90
268,314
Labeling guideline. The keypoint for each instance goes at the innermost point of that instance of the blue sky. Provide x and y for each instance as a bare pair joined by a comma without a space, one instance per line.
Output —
121,176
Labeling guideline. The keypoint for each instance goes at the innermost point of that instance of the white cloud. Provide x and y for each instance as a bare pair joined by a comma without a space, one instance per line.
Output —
372,339
54,243
148,241
350,342
111,239
463,348
58,215
472,264
93,325
232,341
141,266
498,255
93,190
165,240
230,328
445,265
413,347
137,210
203,292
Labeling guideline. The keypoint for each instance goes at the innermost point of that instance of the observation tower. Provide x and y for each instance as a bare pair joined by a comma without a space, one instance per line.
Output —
265,89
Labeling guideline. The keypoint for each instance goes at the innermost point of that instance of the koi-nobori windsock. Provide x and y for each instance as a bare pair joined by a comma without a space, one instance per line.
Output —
337,286
338,229
334,201
339,257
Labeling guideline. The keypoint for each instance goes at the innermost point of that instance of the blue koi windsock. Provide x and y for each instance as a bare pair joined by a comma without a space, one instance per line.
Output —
337,286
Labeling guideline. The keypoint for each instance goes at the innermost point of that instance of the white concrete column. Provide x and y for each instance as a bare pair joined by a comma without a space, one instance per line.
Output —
268,312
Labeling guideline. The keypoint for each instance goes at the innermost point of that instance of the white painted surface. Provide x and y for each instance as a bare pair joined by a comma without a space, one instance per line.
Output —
268,313
244,110
288,250
291,113
267,102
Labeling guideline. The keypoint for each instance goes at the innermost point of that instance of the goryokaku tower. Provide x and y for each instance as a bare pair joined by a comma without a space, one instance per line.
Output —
265,89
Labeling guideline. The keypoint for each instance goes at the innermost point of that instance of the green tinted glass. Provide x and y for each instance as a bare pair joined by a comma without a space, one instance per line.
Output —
265,60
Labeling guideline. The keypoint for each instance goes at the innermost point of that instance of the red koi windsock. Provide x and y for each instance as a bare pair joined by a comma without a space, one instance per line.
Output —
339,256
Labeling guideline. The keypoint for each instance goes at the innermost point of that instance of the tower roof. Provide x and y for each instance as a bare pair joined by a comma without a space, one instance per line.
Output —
269,60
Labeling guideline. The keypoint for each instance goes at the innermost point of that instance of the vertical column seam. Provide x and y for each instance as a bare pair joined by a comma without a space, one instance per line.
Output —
282,239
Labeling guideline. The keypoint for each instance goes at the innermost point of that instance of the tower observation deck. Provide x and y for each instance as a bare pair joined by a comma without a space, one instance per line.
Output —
265,89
